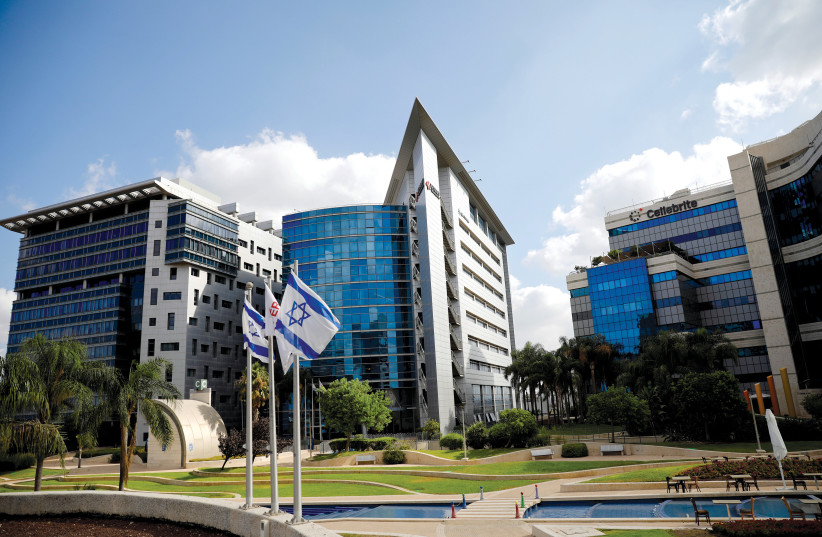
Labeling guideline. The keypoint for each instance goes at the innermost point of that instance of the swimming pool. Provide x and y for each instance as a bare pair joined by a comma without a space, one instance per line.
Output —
419,510
764,506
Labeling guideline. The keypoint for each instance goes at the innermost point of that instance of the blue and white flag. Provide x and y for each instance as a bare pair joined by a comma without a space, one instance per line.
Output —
253,328
305,323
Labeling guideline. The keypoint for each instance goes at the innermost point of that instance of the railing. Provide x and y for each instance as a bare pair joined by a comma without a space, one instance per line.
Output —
415,248
449,266
412,201
460,393
455,342
413,225
452,291
691,191
457,367
452,315
417,299
415,272
446,218
446,239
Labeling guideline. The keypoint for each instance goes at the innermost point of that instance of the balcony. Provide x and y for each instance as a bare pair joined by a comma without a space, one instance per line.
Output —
446,218
459,395
415,273
415,248
412,201
453,317
413,225
447,241
456,367
449,266
456,345
452,290
417,299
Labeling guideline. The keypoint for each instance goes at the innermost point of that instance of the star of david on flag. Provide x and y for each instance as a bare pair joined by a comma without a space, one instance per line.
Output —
253,328
305,324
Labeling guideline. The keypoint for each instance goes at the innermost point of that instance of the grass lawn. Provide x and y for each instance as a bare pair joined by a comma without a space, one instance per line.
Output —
327,456
654,533
649,474
427,485
29,473
457,454
743,447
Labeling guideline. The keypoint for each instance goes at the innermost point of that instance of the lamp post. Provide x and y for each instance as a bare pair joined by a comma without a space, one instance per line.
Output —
464,447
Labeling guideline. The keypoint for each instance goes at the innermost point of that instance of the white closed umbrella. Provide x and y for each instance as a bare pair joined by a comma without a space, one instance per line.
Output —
780,451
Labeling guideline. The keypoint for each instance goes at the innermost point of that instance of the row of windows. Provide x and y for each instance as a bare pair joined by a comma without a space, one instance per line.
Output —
108,257
489,401
739,326
64,246
66,297
66,309
80,274
684,215
202,248
375,318
484,226
358,343
364,294
480,243
355,270
582,291
353,209
722,254
718,231
796,207
393,223
700,282
61,321
708,305
360,246
56,235
202,213
80,330
479,279
220,243
486,367
474,342
486,304
485,324
201,260
483,264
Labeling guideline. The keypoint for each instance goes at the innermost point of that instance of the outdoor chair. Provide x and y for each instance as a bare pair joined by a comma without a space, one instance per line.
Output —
694,484
700,513
747,484
748,512
729,482
704,460
794,513
673,485
798,481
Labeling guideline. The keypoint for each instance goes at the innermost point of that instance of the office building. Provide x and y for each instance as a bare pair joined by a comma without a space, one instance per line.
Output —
156,268
742,258
420,285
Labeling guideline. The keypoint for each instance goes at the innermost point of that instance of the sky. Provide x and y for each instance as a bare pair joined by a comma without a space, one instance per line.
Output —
565,110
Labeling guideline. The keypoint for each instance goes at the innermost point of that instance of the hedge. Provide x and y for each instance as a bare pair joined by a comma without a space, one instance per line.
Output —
570,451
767,528
16,461
761,468
451,441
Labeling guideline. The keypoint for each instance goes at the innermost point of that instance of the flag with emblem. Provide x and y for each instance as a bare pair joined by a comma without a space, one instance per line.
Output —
304,325
272,307
253,328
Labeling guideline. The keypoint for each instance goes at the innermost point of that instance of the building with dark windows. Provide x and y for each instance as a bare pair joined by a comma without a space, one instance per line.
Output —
156,268
743,258
420,285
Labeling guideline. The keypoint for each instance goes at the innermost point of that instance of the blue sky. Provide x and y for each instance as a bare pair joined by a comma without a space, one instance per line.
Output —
565,109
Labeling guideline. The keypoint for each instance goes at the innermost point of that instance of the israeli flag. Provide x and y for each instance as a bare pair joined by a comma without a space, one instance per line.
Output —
305,323
253,328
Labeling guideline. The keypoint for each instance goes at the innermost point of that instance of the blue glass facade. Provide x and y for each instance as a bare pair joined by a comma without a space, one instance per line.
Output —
621,302
357,259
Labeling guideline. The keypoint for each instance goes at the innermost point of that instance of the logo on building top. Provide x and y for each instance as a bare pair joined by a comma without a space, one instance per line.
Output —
671,209
428,186
634,216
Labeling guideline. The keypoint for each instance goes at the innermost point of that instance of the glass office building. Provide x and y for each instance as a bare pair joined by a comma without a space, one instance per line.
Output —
743,258
357,259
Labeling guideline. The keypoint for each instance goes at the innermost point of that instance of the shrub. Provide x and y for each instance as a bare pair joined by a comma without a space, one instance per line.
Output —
476,436
570,451
761,468
337,445
813,404
520,424
140,452
431,429
542,438
766,528
498,436
358,443
451,441
382,443
395,454
16,461
230,445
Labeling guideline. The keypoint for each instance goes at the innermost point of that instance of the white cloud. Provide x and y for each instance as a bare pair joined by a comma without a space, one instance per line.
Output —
685,115
6,299
771,50
25,204
285,171
649,175
542,314
99,178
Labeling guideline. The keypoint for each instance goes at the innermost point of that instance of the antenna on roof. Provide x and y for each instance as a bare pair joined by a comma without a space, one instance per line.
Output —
471,171
464,161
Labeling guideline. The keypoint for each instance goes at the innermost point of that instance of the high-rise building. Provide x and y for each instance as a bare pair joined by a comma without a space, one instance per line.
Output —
742,258
156,268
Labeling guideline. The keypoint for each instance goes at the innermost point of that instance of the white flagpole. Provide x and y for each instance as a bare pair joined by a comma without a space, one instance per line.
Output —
298,493
249,475
272,417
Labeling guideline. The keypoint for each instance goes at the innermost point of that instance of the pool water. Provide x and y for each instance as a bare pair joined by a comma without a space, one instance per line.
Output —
765,507
326,512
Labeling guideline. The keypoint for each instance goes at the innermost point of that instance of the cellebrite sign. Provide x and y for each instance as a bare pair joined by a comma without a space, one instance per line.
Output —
665,210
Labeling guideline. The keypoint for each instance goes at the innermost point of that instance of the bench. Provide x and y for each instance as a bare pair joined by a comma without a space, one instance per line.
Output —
366,458
612,448
546,452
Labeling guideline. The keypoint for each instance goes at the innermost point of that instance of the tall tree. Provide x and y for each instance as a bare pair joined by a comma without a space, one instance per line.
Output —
259,387
50,382
347,404
146,381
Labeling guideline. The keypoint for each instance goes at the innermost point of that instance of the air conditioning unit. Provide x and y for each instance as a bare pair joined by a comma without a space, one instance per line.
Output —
201,384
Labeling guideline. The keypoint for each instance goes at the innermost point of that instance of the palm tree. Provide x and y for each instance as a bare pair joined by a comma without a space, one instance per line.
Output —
146,381
259,387
48,382
708,351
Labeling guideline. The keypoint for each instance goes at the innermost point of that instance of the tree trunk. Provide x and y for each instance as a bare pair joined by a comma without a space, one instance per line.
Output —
593,379
79,456
38,473
347,442
123,453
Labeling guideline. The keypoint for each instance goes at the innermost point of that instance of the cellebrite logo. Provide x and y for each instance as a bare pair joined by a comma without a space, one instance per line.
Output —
635,215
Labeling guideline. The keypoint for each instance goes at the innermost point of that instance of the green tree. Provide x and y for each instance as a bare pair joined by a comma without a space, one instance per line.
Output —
520,425
813,404
347,404
431,429
54,382
259,388
709,405
616,406
129,395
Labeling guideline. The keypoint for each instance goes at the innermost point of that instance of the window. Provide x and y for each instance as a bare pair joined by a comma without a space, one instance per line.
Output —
156,248
150,351
230,326
208,277
217,374
260,251
258,269
152,321
224,398
172,295
191,373
225,351
192,321
158,224
243,243
248,266
266,273
269,254
206,299
251,247
193,347
204,348
153,300
219,279
169,347
259,290
169,374
155,271
196,296
226,304
172,274
230,285
195,272
171,321
219,326
216,301
208,324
